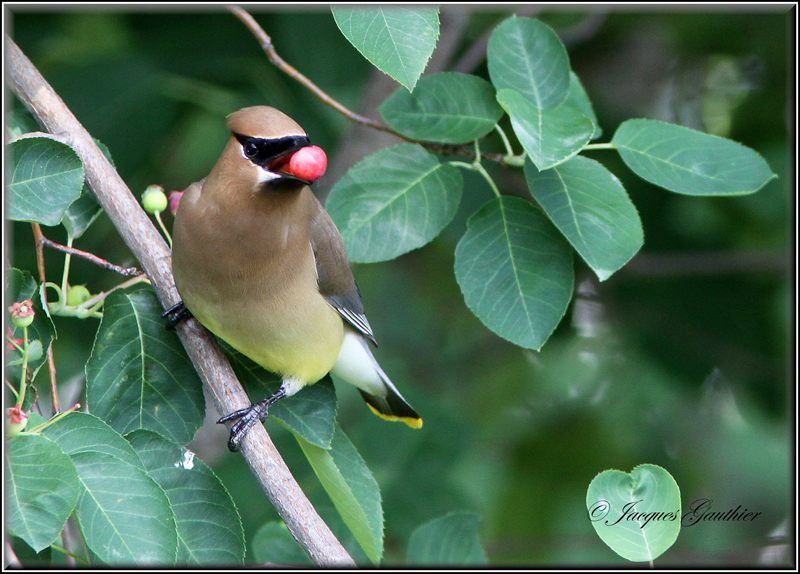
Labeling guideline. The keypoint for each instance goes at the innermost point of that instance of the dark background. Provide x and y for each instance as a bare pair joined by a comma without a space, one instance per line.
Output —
681,359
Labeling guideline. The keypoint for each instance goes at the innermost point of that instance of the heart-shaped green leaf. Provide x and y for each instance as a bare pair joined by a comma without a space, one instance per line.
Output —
526,56
686,161
591,208
638,514
447,107
549,136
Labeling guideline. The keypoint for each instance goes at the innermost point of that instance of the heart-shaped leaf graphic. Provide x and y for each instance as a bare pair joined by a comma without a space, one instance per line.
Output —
638,514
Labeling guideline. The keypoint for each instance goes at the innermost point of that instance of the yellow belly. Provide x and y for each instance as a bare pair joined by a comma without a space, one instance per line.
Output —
296,340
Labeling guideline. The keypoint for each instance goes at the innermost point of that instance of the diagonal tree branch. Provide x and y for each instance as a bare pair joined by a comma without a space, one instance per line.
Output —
149,247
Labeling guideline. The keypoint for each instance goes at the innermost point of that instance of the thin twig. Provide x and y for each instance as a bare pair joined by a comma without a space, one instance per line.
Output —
147,245
266,44
126,271
51,363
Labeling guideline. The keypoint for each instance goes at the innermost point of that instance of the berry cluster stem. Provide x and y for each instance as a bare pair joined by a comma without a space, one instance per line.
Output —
23,378
163,228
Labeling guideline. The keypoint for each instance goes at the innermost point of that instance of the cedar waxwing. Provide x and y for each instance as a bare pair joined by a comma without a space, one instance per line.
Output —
258,261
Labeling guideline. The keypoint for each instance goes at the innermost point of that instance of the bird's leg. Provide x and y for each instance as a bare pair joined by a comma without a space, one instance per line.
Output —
248,417
176,314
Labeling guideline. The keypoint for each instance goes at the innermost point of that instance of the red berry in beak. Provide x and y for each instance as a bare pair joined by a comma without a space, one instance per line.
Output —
309,163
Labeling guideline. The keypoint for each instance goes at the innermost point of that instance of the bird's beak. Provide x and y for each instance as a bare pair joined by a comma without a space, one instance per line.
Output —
273,156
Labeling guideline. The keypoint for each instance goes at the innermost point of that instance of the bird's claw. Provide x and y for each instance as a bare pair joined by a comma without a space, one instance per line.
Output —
175,314
248,417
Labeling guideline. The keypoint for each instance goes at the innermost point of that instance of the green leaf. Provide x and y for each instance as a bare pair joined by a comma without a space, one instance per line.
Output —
311,413
578,98
447,107
450,540
138,375
209,527
652,521
527,56
397,40
515,271
46,177
124,516
20,285
550,136
352,488
591,208
275,544
81,213
393,201
690,162
81,432
42,489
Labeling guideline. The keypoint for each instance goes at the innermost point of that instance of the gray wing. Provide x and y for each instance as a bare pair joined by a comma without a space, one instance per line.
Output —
334,276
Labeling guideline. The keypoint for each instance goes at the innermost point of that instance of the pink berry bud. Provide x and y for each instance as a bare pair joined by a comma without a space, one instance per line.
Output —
17,420
22,313
309,163
174,200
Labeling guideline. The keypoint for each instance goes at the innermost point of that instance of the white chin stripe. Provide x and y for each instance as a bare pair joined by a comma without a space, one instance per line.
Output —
264,175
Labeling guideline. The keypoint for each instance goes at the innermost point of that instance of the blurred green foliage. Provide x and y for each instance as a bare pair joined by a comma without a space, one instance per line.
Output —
680,360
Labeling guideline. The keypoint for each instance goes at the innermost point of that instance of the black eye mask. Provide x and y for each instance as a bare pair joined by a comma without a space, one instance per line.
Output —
263,152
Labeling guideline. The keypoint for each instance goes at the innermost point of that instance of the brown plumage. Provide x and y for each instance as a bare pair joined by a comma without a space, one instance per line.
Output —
258,261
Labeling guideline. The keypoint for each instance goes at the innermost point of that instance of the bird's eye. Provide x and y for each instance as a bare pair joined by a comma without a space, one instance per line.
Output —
250,150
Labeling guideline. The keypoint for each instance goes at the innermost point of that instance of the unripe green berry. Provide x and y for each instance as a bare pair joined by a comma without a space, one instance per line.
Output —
154,199
22,321
78,294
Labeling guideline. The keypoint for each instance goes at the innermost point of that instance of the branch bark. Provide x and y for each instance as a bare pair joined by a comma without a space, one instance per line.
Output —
151,250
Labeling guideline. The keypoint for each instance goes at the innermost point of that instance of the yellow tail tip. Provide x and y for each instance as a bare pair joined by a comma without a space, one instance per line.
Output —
413,423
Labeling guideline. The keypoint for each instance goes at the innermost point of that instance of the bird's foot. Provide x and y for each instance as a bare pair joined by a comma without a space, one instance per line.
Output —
247,418
176,314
